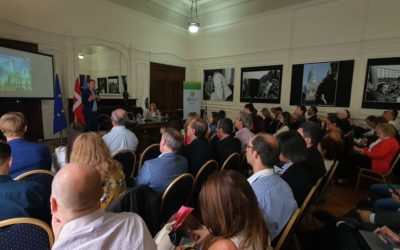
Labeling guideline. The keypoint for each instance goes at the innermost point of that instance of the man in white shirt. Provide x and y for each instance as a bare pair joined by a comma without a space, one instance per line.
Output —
120,138
78,221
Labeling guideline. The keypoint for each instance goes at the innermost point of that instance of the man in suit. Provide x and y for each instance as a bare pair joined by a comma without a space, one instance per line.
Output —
26,155
90,100
312,115
158,173
225,144
20,198
199,150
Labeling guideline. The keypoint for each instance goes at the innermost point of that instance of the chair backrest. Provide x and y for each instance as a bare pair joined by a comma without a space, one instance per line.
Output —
151,152
128,160
232,162
176,195
44,177
307,200
395,160
290,227
25,233
34,172
329,176
206,170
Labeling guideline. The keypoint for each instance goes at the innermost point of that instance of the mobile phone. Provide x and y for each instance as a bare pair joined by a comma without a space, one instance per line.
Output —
388,241
393,190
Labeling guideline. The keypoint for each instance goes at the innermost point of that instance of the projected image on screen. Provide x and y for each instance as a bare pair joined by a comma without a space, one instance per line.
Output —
15,73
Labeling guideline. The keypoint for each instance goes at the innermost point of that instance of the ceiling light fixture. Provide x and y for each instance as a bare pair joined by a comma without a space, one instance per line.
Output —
194,23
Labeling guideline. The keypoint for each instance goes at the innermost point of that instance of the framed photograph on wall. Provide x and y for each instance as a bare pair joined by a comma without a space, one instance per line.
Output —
261,84
113,85
218,84
322,83
382,84
102,85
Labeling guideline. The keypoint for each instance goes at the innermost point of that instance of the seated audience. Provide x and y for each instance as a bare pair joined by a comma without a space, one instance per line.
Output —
384,197
20,198
231,214
274,125
199,150
331,124
158,173
284,121
79,222
120,138
311,132
312,115
191,116
298,117
63,153
294,171
90,149
273,194
344,120
212,123
225,144
258,122
152,112
391,117
26,155
267,120
243,124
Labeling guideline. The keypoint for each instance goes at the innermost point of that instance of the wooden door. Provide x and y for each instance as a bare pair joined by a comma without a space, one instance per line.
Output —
166,86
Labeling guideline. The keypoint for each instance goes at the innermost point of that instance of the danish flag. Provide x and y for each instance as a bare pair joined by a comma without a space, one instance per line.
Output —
77,104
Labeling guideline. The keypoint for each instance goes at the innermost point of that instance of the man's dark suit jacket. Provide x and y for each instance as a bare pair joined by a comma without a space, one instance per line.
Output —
315,164
258,124
23,199
90,116
222,149
299,181
28,156
197,152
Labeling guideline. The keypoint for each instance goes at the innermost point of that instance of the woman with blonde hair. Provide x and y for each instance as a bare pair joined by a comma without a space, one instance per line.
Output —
231,214
90,149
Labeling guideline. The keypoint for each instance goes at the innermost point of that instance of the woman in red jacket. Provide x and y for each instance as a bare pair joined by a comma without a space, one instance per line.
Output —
381,152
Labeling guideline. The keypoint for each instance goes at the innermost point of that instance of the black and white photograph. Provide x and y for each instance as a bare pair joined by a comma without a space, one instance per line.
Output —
218,84
261,84
113,85
102,85
320,84
382,83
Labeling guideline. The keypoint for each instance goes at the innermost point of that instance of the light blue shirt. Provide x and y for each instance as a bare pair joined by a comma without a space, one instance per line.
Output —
120,138
275,199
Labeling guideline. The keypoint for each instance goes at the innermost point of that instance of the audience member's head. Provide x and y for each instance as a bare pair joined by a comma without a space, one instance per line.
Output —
90,149
371,121
384,130
13,125
331,146
332,121
244,120
214,118
249,108
300,110
119,117
73,130
5,158
311,133
284,118
343,114
312,110
265,113
191,116
224,128
229,208
262,151
390,114
76,191
171,140
381,119
197,128
221,114
293,147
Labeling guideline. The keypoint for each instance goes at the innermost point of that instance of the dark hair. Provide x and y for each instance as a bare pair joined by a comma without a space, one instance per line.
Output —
381,119
332,117
286,118
302,108
315,109
269,154
215,117
226,125
200,127
73,130
292,146
278,109
250,107
312,131
333,147
5,152
229,208
221,114
372,119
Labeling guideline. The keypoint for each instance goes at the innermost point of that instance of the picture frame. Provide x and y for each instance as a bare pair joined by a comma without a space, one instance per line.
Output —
382,84
113,85
326,83
218,84
261,84
102,85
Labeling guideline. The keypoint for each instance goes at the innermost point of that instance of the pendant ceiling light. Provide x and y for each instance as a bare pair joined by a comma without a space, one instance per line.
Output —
194,23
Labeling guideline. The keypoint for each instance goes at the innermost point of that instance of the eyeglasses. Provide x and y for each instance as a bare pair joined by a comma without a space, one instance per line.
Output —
248,146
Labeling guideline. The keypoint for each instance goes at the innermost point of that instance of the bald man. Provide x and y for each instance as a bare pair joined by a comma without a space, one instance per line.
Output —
120,138
273,194
79,223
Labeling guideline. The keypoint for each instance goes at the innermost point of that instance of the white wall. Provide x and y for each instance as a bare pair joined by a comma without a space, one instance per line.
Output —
334,30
